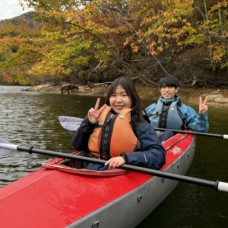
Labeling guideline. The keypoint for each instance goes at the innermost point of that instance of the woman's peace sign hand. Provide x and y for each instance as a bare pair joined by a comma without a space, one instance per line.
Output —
203,105
94,113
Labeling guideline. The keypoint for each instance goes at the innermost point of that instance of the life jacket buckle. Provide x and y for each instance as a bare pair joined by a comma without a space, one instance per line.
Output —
121,117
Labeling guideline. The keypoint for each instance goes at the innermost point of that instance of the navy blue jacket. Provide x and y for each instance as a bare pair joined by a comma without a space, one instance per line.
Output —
150,155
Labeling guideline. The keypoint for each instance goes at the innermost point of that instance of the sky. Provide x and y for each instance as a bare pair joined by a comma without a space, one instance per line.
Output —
10,9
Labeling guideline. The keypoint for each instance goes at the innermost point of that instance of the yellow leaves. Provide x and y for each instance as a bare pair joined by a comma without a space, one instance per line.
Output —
196,39
74,34
160,49
220,4
152,44
218,52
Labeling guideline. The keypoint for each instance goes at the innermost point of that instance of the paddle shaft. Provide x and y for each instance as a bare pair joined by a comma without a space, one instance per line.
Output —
220,186
72,124
193,133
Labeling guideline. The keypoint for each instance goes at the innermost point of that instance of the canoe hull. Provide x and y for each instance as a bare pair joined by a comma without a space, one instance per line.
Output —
132,208
52,198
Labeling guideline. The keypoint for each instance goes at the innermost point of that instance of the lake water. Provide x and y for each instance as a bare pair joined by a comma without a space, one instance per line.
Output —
30,119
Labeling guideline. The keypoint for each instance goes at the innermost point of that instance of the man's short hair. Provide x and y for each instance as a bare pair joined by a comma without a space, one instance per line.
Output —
169,81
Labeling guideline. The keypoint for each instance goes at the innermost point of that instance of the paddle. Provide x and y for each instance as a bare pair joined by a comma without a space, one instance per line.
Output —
219,186
72,124
4,152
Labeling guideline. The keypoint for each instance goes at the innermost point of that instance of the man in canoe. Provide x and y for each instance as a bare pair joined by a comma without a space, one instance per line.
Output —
168,112
120,131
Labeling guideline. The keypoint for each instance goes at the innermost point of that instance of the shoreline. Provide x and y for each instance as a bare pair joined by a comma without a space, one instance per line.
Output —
189,95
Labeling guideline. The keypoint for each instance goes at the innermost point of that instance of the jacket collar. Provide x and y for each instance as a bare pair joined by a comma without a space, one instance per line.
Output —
169,101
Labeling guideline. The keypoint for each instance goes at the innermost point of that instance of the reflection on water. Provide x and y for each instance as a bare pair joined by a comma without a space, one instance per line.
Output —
30,119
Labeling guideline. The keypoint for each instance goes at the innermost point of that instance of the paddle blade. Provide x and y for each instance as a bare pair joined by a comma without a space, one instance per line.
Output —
70,123
4,151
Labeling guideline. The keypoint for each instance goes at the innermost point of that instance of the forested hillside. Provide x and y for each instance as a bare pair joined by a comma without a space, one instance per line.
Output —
97,41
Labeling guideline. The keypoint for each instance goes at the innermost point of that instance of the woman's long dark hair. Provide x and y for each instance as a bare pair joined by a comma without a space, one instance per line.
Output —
129,88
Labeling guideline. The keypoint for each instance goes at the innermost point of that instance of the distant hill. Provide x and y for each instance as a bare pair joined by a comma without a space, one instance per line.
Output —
29,16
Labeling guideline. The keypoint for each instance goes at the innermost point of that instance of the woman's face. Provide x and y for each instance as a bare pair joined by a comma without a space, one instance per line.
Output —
119,100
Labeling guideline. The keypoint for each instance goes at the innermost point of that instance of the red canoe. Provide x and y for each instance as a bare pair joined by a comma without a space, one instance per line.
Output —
52,198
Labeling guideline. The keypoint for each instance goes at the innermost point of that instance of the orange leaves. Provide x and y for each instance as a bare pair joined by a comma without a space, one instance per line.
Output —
135,48
179,43
127,41
140,33
75,35
147,20
153,52
7,78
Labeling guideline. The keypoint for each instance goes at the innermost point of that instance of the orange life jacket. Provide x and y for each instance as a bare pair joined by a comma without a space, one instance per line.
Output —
113,136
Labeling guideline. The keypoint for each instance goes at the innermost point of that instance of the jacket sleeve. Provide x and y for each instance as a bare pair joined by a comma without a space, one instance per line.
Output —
81,136
193,120
151,154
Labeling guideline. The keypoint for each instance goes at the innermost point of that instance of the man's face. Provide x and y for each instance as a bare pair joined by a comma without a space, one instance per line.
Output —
168,92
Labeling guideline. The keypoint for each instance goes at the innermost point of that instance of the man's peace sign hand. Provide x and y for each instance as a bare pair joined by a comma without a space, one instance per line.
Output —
203,105
94,113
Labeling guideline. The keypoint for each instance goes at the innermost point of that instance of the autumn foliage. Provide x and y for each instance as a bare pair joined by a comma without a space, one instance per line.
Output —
98,40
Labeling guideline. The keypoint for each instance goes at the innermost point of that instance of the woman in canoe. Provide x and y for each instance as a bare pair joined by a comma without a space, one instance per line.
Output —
119,131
